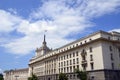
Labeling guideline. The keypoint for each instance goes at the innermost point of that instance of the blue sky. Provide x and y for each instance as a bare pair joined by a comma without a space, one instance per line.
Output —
22,25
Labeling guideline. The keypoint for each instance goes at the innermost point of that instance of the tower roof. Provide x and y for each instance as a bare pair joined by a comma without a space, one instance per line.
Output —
44,47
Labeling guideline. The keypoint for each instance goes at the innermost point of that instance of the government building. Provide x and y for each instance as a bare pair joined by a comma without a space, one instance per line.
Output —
97,53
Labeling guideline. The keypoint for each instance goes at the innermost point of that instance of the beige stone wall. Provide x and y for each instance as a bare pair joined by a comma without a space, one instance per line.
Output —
59,59
21,74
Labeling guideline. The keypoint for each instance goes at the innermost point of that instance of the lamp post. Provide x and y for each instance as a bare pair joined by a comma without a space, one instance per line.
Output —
16,77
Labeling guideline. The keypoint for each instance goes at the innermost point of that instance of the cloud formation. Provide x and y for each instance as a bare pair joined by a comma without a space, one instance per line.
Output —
59,17
1,71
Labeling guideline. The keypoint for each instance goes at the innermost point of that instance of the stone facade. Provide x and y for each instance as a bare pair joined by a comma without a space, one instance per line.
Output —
17,74
97,53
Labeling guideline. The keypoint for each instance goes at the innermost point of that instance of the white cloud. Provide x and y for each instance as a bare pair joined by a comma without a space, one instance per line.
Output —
8,21
60,18
117,30
1,71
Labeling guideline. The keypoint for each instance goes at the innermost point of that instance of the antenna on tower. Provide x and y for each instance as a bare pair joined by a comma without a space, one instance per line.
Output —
44,42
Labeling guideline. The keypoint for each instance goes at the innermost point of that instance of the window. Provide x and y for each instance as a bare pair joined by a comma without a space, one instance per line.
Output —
70,68
70,62
112,64
83,58
73,67
67,69
111,56
54,70
61,64
64,70
81,43
70,76
76,44
74,76
61,57
76,53
73,46
67,56
70,55
77,60
64,57
67,63
73,54
110,47
84,66
73,61
90,49
109,37
64,63
85,41
91,57
77,66
92,66
90,39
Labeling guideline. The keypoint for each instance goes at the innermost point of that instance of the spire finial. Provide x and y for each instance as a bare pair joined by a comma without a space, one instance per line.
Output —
44,42
44,38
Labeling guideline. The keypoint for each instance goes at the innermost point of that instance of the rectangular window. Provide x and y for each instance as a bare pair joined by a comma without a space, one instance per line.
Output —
67,56
73,61
70,55
61,64
64,70
67,63
67,69
70,62
112,64
70,68
73,54
64,63
70,76
81,43
76,53
77,60
73,68
74,76
90,39
59,70
76,44
92,66
91,57
61,57
77,66
64,57
90,49
110,47
111,56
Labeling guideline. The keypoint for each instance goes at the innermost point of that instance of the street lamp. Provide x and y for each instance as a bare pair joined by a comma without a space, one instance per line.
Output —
16,77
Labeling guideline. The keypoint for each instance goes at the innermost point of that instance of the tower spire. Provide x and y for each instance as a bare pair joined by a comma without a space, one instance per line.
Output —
44,38
44,42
